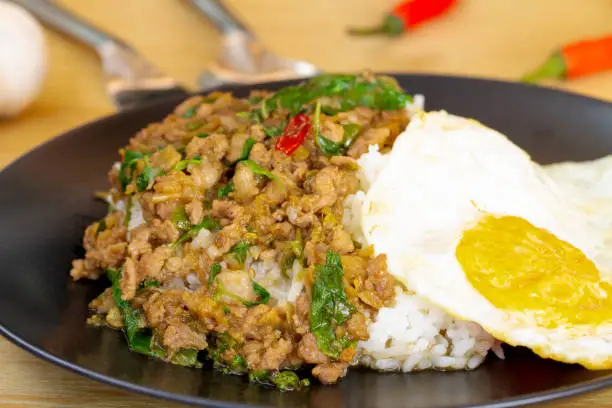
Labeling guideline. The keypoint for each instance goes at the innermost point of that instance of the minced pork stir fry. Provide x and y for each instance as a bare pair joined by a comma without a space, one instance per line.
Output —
224,237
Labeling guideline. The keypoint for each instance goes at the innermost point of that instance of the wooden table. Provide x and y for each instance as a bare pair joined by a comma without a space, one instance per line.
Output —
490,38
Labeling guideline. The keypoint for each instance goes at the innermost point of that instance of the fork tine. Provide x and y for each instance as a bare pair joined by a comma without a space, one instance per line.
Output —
126,71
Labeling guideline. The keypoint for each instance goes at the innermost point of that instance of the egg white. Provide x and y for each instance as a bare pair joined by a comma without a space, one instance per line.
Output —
588,186
442,176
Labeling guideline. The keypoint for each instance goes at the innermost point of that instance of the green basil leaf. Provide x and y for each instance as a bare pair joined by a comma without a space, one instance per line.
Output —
127,167
128,211
275,131
190,113
283,380
225,190
138,341
254,100
264,296
146,179
207,222
191,126
350,91
330,306
246,150
239,251
260,377
214,271
257,169
180,218
287,381
327,146
101,226
351,131
149,283
182,165
239,364
187,357
141,340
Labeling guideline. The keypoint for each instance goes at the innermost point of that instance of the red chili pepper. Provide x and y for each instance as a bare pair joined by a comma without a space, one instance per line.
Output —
405,16
294,134
575,60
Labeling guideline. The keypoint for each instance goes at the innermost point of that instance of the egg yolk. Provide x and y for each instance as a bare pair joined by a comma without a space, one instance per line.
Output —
518,266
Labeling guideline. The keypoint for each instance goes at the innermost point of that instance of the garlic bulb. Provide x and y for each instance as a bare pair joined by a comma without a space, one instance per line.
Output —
22,58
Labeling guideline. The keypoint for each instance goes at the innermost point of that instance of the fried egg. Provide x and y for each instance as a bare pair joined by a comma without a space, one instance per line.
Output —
588,185
468,221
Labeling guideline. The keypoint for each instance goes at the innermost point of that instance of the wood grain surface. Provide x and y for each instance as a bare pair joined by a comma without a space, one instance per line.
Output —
487,38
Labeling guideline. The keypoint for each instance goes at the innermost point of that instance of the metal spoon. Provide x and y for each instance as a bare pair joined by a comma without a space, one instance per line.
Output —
130,79
243,59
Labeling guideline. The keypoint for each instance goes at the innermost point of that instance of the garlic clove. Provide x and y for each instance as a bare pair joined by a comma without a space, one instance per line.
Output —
23,59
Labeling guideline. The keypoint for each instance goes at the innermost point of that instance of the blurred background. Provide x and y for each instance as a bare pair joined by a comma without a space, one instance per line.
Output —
485,38
500,39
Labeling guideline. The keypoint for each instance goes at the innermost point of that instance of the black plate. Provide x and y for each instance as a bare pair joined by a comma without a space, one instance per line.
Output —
47,200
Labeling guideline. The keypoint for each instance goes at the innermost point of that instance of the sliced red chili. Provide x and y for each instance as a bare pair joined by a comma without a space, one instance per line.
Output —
294,134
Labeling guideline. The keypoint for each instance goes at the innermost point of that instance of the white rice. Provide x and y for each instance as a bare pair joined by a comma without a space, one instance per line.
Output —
413,335
417,105
203,239
136,216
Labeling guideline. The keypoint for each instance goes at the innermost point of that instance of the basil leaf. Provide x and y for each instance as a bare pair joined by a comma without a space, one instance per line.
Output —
207,222
147,177
351,91
141,341
187,357
203,135
260,377
351,131
191,126
239,251
131,317
282,380
225,190
275,131
180,218
128,211
264,296
257,116
254,100
148,283
257,169
330,306
327,146
101,226
218,345
239,364
214,271
294,252
246,150
289,381
127,167
182,165
190,113
138,341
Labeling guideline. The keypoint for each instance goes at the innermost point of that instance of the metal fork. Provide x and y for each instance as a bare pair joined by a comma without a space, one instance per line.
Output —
131,80
243,59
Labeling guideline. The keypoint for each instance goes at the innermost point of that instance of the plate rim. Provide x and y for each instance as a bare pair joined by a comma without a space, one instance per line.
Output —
526,399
